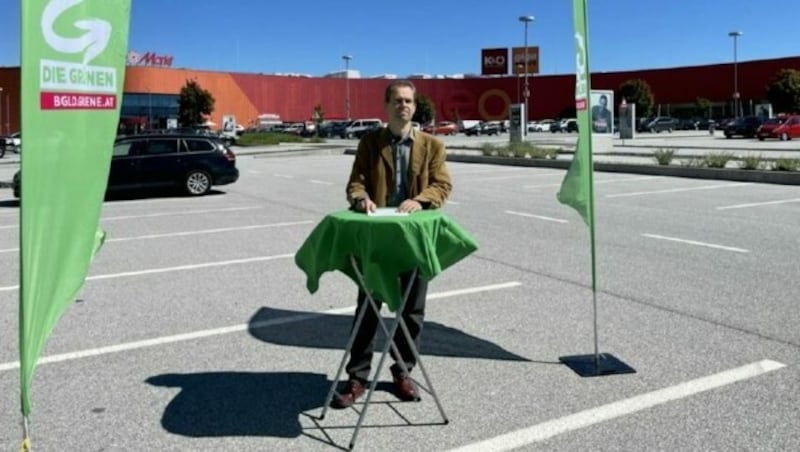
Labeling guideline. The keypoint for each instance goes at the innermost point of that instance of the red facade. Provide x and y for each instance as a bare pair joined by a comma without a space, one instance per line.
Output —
294,98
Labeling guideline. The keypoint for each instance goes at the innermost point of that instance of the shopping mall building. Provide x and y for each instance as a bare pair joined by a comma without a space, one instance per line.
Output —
150,92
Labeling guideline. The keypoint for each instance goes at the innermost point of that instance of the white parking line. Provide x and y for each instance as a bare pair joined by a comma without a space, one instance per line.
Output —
285,176
694,242
608,181
188,233
517,176
592,416
152,271
758,204
231,329
540,217
676,190
321,182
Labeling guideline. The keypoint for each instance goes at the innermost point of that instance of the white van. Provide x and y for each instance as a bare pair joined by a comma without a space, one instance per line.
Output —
357,126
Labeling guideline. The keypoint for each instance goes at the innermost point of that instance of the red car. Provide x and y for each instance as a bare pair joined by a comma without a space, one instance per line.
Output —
442,128
765,130
789,129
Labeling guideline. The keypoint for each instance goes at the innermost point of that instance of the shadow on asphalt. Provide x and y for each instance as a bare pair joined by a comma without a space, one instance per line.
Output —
331,331
216,404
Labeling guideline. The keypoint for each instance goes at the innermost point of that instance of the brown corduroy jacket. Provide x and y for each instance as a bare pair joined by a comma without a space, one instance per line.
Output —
372,175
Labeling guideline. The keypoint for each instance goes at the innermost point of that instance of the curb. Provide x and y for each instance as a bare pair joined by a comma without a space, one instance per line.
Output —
738,175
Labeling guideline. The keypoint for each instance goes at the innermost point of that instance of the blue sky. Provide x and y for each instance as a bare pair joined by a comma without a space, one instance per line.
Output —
438,36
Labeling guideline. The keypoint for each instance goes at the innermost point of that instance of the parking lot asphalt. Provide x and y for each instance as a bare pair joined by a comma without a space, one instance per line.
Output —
194,330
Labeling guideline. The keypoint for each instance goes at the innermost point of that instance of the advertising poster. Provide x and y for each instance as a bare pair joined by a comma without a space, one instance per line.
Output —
602,102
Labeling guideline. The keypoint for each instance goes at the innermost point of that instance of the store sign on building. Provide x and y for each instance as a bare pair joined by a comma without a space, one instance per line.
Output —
518,57
494,61
148,59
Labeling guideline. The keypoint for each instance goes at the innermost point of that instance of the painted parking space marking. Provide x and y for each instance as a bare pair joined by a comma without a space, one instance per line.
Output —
607,181
284,176
758,204
694,242
592,416
678,190
320,182
516,176
153,271
128,346
189,233
538,217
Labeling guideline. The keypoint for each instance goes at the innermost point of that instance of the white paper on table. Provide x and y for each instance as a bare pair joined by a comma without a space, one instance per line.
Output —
387,212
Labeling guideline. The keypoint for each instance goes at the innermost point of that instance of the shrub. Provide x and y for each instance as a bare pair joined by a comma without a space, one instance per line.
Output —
664,156
717,159
262,138
751,162
694,162
488,149
785,164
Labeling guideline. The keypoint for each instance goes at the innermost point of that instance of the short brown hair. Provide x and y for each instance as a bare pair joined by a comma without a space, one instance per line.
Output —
387,96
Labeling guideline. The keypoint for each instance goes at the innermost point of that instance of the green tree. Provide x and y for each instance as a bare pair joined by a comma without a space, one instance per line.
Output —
702,107
637,91
193,103
783,91
426,110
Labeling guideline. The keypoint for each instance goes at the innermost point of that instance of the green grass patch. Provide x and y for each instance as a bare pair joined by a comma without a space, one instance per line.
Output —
664,156
752,162
268,138
717,159
785,164
694,162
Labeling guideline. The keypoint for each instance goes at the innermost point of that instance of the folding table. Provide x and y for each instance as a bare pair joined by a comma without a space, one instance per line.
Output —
374,251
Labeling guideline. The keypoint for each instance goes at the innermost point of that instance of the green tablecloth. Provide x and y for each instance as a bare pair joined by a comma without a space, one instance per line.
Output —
385,247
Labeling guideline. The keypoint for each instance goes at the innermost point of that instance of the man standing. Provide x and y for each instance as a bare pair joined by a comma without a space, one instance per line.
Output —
396,166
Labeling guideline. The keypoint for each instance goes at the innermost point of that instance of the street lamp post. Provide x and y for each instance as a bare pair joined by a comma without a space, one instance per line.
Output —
526,93
519,67
1,110
735,35
347,59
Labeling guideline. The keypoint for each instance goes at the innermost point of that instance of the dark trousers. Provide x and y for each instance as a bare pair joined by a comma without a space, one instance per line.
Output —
413,315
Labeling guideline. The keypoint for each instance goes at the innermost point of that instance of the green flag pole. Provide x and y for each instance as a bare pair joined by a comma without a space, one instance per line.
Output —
577,191
72,70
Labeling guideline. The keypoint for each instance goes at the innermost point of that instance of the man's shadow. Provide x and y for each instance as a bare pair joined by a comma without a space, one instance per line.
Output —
216,404
331,331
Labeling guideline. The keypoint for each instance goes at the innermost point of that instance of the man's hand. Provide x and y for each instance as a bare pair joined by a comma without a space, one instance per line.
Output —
409,205
365,205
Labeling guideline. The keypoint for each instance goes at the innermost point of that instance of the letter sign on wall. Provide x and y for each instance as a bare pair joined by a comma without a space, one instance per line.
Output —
494,61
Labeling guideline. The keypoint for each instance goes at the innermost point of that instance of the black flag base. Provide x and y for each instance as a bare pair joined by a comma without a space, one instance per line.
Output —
596,365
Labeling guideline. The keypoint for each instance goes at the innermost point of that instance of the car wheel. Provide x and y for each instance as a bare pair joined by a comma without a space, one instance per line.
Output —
760,138
197,183
2,151
784,136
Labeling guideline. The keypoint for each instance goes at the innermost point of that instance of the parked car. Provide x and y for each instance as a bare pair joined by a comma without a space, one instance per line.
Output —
564,125
484,128
790,128
193,163
442,128
361,132
764,131
661,124
745,126
359,125
542,126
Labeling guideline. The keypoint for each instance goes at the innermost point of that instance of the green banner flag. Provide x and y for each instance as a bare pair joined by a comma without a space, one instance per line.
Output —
73,70
577,187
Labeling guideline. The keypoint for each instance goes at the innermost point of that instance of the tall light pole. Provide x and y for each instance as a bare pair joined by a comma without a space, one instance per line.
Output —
347,59
526,20
735,35
1,110
519,67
